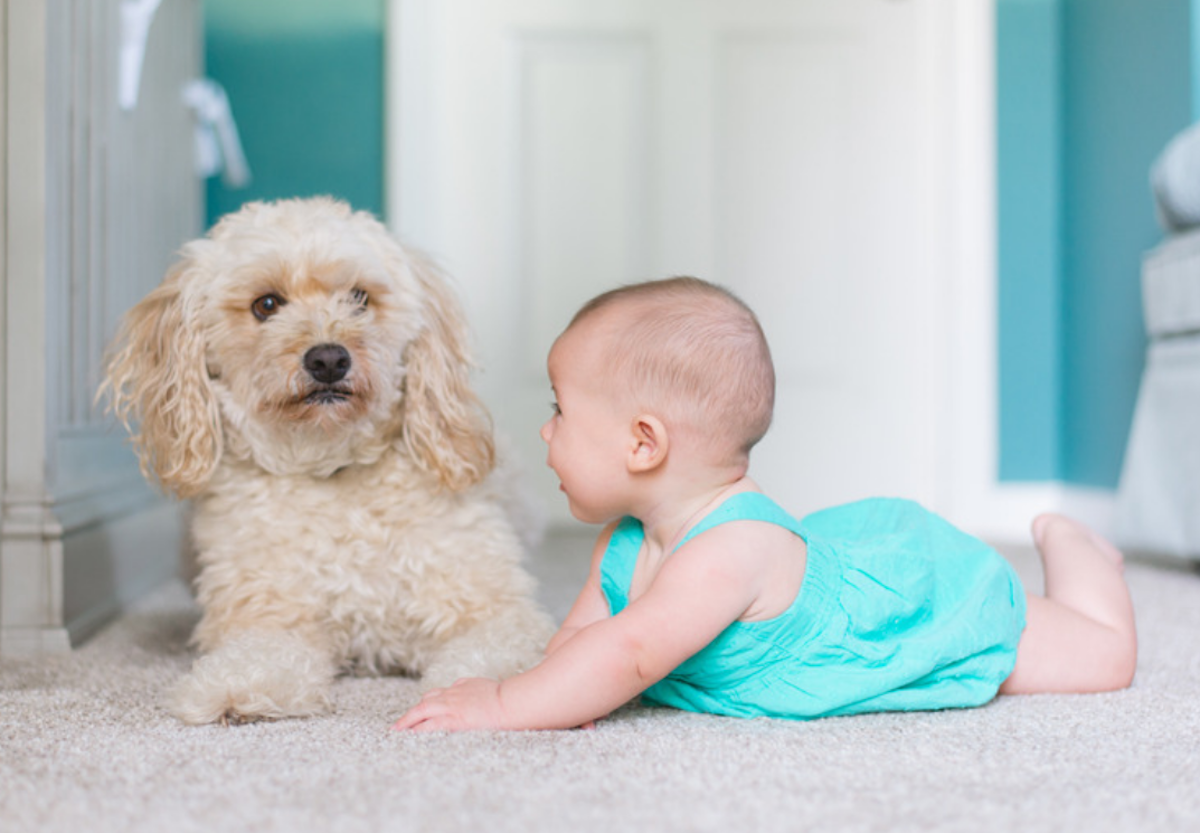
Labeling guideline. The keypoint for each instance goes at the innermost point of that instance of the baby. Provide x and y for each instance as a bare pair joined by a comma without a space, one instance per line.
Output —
705,595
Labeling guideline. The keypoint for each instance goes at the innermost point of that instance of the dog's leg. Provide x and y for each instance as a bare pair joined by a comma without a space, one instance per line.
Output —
507,643
256,675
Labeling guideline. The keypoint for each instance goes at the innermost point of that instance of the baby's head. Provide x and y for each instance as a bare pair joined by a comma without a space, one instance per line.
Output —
690,352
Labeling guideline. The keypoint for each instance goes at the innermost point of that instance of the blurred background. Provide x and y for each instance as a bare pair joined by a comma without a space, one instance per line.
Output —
1087,93
940,209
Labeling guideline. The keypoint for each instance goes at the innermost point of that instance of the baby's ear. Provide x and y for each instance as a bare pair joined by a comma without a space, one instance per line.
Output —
156,377
648,444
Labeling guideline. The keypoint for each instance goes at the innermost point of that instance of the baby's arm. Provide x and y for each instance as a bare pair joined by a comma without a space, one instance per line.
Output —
699,592
591,605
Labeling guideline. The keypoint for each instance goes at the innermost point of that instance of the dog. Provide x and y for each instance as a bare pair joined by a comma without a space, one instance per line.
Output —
304,380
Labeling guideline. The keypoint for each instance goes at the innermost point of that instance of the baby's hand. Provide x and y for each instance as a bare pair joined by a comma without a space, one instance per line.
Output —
468,704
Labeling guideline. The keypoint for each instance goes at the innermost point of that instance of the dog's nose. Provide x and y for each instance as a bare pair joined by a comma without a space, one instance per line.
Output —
327,363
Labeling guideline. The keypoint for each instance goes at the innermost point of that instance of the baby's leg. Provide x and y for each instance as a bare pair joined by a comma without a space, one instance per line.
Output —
1080,636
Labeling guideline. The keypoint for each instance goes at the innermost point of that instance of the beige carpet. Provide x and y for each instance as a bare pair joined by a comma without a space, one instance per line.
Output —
85,746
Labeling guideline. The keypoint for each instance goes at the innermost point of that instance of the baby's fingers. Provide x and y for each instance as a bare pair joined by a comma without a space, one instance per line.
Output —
437,724
423,721
419,713
407,720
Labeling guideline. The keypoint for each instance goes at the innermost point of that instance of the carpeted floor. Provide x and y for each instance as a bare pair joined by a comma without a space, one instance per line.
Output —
85,746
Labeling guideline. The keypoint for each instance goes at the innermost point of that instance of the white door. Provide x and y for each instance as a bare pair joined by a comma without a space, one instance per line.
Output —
793,150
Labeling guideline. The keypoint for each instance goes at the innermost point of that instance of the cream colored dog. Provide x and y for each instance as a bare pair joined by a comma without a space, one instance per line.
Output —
305,380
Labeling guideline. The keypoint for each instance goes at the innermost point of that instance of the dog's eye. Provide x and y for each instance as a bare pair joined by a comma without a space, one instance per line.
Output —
360,297
266,306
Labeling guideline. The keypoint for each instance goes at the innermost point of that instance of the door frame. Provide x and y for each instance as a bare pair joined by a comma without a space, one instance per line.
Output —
960,72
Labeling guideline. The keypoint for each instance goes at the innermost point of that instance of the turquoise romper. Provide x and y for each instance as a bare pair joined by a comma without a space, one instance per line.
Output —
898,611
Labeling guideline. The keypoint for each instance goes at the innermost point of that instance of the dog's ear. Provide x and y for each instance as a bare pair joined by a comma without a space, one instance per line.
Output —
156,377
446,428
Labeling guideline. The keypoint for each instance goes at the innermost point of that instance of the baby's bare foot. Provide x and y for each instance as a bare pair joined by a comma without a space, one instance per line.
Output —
1042,525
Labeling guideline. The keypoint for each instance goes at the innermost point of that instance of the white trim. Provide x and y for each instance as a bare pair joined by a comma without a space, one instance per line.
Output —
409,113
392,115
1095,507
1010,507
972,473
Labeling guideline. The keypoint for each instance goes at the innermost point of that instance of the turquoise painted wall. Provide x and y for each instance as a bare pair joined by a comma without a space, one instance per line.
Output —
305,80
1029,217
1127,91
1089,92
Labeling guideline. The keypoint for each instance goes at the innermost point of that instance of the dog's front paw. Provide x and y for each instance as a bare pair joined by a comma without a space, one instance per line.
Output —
511,641
258,675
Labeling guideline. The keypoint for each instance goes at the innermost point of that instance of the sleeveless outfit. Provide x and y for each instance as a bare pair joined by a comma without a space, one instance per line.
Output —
898,611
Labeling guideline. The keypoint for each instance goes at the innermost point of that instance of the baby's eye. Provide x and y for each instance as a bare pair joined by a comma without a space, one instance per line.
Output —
554,407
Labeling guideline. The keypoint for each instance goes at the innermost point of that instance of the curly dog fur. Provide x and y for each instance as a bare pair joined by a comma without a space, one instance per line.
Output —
305,380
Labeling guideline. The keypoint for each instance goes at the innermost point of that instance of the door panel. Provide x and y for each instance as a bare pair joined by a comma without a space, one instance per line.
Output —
557,149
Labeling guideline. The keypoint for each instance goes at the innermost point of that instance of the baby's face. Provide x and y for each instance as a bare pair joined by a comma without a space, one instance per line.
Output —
587,435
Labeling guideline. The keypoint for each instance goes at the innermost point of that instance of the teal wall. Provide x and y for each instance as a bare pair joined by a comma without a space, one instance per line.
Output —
1029,228
1127,82
1089,92
305,80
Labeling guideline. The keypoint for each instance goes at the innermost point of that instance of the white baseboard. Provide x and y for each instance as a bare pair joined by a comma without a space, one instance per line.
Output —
1095,507
1002,513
